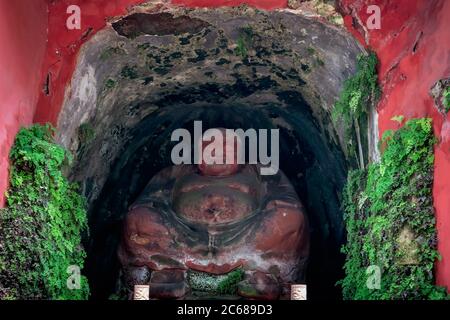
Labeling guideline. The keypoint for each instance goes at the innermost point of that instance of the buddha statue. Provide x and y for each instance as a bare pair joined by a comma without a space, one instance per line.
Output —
215,218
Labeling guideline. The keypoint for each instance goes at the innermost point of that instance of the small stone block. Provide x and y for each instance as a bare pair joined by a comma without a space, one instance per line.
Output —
141,292
298,292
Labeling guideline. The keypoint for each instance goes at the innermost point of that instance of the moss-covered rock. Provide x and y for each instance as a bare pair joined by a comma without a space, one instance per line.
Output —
390,220
225,284
40,237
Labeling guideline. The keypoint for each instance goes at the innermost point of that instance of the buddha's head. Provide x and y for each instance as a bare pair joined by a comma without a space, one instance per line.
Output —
218,152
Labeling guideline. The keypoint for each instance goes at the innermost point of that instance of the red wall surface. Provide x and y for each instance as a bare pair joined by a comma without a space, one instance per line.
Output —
64,44
23,36
406,76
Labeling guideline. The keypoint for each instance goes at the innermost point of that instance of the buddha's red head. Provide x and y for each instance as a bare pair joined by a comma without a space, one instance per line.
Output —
218,153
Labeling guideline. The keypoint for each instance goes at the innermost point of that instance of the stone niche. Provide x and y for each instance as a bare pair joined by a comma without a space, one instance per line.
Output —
158,69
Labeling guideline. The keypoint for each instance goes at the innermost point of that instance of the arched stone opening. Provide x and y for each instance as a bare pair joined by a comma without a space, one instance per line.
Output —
150,73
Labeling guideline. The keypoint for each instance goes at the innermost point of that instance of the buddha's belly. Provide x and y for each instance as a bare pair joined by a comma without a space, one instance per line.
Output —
214,205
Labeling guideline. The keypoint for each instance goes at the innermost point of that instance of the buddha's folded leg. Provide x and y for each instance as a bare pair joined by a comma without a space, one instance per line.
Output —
149,242
282,242
168,284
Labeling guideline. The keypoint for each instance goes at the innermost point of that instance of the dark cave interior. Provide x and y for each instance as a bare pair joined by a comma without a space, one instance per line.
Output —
315,166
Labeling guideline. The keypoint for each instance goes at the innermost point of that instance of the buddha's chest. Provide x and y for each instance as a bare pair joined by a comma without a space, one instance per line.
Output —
215,200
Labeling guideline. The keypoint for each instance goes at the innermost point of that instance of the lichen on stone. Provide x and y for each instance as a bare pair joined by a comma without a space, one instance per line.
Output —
217,284
441,95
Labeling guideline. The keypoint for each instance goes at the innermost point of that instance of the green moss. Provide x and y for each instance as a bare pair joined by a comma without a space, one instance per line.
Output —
446,99
129,72
315,57
109,84
111,51
229,284
382,201
42,224
248,290
216,284
359,92
244,41
204,282
311,50
86,133
320,62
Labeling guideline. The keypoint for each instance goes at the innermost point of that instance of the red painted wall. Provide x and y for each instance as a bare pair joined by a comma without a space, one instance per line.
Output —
63,46
406,79
23,36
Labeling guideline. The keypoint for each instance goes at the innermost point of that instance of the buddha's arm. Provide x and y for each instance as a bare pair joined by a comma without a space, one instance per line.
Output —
279,192
160,186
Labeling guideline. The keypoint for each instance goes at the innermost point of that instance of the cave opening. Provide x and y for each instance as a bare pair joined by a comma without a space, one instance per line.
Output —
316,169
230,69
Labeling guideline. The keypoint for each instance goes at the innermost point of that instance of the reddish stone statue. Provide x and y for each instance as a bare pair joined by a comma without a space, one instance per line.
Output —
216,218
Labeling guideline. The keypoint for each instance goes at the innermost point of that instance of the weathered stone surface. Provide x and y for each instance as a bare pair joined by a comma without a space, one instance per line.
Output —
120,81
136,276
437,92
168,284
159,24
260,286
321,8
408,247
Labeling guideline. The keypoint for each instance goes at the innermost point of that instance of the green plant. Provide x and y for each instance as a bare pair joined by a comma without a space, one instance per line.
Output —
446,99
244,41
40,229
399,119
229,284
311,50
358,93
320,62
380,203
216,284
129,72
86,133
111,51
109,84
